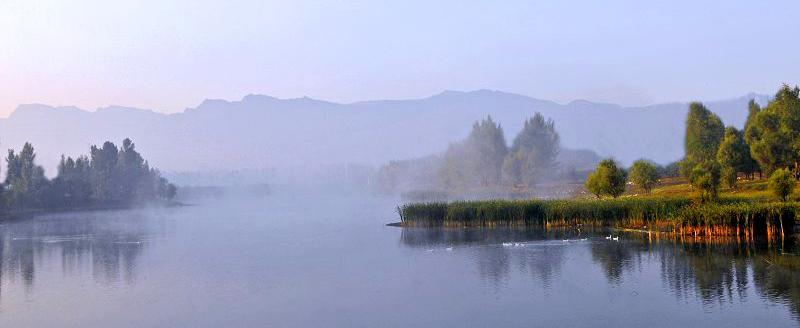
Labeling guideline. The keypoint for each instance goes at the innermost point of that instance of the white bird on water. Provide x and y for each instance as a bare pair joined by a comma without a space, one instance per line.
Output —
615,238
609,237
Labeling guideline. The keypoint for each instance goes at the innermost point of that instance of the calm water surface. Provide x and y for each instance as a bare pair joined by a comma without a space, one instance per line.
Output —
327,260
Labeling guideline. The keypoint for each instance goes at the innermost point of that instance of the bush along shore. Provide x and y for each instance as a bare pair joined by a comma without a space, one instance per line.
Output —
726,217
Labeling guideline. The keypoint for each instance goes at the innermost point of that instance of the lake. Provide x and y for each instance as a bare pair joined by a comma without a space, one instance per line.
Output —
326,259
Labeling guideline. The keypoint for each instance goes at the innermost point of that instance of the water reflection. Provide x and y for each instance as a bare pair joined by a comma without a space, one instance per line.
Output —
715,272
101,244
539,253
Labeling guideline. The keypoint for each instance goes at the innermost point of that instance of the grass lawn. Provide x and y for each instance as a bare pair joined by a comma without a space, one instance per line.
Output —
671,187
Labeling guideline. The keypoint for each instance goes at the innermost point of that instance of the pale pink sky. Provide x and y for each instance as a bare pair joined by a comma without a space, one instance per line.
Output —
169,55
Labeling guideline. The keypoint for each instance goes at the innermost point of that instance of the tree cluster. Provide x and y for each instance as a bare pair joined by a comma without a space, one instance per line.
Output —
109,176
769,142
644,174
484,159
607,179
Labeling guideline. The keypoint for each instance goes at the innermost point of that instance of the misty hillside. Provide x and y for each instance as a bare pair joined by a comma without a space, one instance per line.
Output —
262,132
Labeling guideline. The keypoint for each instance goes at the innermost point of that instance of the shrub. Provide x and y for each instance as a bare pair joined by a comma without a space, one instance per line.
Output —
706,177
607,179
781,184
644,174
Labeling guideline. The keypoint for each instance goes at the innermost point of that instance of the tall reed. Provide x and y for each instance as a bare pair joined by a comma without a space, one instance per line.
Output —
727,216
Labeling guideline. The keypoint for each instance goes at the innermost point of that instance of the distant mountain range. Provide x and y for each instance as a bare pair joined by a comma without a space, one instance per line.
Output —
264,132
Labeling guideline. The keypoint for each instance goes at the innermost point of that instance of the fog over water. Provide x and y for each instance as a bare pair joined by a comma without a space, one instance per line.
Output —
278,261
245,163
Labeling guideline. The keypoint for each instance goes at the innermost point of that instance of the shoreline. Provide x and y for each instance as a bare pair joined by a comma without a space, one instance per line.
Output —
29,213
681,216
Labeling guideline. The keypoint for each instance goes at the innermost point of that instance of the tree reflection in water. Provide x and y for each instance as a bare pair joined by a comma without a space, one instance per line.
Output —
716,271
108,247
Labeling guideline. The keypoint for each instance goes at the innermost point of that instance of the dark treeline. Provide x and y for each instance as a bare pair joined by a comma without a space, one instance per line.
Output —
109,176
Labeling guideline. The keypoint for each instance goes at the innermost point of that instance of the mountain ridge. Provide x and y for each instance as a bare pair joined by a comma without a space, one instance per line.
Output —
261,131
253,97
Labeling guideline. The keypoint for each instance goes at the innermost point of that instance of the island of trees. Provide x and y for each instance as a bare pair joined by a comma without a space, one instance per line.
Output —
766,152
108,177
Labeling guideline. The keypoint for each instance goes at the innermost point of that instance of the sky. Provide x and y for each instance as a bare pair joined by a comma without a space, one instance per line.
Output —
170,55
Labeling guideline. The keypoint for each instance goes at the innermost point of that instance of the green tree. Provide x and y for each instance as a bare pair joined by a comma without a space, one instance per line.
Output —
25,179
607,179
774,133
782,183
704,132
454,171
733,156
478,160
72,184
706,177
488,143
752,110
671,170
644,174
537,145
686,166
519,168
104,178
131,171
111,176
594,184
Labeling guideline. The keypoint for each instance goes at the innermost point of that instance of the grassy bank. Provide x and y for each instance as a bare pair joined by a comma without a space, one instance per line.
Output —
756,190
729,216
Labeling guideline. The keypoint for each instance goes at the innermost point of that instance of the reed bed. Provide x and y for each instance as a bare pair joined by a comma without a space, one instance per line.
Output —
729,216
737,219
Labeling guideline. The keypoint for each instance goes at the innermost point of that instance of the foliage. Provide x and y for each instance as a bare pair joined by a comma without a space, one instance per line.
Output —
533,151
607,179
477,160
704,132
686,166
108,177
751,130
519,168
671,170
594,184
644,174
484,160
733,156
782,183
773,133
25,180
706,177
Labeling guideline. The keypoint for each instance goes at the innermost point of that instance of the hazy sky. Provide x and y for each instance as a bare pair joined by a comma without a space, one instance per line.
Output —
169,55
